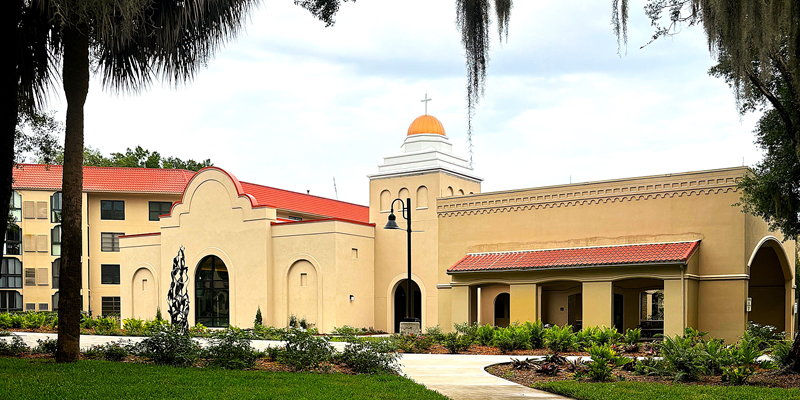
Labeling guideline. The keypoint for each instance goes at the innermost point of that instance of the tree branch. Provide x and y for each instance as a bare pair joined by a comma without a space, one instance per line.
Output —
784,114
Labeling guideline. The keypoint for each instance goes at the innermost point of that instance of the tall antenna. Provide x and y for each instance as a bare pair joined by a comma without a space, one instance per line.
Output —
334,188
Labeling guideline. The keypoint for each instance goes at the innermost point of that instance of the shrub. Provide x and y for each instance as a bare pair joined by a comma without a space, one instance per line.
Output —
780,353
112,351
767,335
537,331
33,320
513,337
370,357
687,359
17,321
605,335
5,321
470,331
106,325
346,331
230,349
304,351
632,336
133,326
455,343
258,321
413,343
604,361
560,339
650,366
46,346
584,338
169,346
485,335
263,332
694,335
739,366
717,354
17,347
273,352
198,330
435,333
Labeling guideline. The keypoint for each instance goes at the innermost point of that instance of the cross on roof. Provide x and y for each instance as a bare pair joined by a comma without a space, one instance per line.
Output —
426,100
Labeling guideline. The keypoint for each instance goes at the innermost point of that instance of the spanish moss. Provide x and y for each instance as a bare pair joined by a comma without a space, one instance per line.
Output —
503,10
472,18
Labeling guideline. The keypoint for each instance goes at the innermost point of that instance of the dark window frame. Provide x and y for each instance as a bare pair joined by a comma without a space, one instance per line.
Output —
5,276
109,275
55,212
113,213
13,245
110,305
114,245
160,209
5,299
15,208
55,273
55,240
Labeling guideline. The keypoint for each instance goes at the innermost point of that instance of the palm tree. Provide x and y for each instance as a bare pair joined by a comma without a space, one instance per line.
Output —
133,42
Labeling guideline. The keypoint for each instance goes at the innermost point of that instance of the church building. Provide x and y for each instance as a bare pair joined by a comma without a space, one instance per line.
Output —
661,252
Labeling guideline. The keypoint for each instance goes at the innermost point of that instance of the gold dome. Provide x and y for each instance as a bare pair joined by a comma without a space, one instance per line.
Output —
426,124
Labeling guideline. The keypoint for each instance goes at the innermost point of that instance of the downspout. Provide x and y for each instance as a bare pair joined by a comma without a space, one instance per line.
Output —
683,293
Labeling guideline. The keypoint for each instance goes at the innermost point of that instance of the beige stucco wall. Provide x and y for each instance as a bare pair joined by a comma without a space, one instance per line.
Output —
390,245
324,249
675,207
140,258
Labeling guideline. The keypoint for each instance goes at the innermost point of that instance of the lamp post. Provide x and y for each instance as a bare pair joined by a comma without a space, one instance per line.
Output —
409,323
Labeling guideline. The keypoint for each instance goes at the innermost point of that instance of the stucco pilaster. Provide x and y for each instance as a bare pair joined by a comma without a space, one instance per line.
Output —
598,304
524,302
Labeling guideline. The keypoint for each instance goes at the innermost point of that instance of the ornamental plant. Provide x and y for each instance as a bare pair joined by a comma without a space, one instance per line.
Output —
560,339
604,361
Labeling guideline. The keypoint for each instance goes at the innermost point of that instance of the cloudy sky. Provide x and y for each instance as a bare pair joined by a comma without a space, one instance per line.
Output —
292,104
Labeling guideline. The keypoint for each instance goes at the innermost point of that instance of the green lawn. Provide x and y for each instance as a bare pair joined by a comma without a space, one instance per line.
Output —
95,380
653,391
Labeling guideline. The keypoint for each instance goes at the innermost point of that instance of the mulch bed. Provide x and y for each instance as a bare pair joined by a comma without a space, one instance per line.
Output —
763,378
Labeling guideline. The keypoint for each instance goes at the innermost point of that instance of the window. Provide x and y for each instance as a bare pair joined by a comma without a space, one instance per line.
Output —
110,306
41,210
28,210
112,209
55,241
43,306
30,276
10,274
41,277
41,243
109,241
10,300
55,208
30,306
16,206
54,300
109,274
56,270
13,240
303,279
355,252
159,208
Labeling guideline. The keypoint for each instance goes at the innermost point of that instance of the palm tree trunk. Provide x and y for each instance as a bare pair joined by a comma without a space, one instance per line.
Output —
9,18
76,85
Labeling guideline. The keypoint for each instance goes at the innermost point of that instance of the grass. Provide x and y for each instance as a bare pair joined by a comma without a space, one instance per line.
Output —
653,391
38,379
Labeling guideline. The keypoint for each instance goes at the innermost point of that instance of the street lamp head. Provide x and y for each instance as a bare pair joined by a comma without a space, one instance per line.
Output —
391,224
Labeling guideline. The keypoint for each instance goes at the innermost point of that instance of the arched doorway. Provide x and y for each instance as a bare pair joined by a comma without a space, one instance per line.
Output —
303,292
767,289
212,297
502,307
400,302
144,294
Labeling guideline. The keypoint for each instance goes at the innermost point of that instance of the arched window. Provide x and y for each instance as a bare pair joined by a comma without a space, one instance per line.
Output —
386,200
448,192
55,208
56,274
212,293
13,240
460,192
55,241
422,197
403,194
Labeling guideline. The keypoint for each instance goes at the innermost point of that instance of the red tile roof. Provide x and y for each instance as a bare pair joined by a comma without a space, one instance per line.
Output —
659,253
306,203
154,180
104,179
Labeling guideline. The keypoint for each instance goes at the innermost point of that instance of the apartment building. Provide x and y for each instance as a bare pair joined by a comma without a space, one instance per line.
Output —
116,202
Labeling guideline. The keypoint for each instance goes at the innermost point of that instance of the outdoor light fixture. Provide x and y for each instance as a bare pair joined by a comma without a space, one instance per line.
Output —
392,224
352,298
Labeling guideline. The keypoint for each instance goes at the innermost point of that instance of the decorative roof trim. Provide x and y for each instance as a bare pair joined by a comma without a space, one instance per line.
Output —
349,221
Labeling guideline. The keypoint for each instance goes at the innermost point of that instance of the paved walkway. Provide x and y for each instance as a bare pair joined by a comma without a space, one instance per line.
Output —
457,376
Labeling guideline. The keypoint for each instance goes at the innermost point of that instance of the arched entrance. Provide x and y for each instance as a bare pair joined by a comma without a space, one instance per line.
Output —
400,302
212,297
767,289
145,300
502,307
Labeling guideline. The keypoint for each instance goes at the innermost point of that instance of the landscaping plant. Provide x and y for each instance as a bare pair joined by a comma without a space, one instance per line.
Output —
455,343
470,331
370,357
304,351
686,356
169,346
767,335
46,346
537,332
604,361
485,335
258,321
230,349
17,347
512,337
560,339
435,333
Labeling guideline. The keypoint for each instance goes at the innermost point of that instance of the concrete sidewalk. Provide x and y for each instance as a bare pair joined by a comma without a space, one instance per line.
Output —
457,376
462,377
